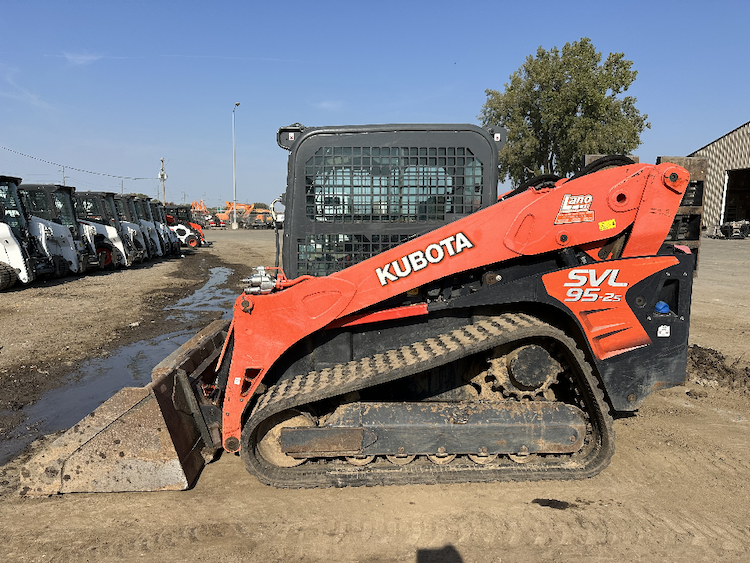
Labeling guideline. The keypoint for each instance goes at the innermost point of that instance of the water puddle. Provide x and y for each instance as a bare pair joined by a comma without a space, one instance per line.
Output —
130,366
208,298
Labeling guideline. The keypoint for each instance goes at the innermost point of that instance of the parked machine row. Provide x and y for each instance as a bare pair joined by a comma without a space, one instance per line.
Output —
182,221
49,230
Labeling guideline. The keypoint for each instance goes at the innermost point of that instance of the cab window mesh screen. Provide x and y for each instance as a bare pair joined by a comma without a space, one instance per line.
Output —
320,255
391,184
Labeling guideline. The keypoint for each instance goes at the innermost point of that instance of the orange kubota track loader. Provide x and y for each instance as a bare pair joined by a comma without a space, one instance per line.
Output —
484,342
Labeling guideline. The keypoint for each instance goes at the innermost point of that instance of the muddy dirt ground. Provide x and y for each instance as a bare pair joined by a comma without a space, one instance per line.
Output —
677,488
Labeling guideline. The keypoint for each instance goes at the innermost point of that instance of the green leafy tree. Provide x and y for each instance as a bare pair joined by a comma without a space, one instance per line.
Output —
561,105
260,205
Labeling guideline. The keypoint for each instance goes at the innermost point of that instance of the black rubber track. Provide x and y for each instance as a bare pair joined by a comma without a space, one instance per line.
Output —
62,268
415,358
8,276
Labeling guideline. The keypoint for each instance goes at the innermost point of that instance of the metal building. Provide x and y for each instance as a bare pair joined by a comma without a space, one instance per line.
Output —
727,189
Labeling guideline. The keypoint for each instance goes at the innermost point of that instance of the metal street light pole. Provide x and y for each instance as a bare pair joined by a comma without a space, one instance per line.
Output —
234,171
163,177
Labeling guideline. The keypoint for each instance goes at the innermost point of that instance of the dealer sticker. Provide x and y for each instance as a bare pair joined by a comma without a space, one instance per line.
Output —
607,225
575,209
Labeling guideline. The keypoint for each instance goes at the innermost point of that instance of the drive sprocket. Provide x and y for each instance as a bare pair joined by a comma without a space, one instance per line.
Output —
525,372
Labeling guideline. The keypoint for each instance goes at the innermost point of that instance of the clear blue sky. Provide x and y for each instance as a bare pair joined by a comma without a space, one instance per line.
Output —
113,86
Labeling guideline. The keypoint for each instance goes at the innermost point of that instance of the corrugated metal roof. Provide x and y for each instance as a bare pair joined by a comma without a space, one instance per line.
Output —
717,140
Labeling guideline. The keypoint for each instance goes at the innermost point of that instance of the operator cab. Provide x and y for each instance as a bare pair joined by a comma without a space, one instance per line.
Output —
356,191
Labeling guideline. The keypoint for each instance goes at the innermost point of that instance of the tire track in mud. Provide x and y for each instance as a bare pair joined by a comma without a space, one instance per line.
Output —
521,526
625,511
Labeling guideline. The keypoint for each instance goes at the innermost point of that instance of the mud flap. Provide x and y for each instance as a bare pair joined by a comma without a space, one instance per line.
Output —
151,438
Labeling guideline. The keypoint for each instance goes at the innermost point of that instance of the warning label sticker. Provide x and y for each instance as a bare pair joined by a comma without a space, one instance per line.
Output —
575,209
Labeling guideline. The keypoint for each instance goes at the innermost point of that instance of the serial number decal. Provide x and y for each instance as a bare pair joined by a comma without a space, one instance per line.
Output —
433,254
586,285
575,209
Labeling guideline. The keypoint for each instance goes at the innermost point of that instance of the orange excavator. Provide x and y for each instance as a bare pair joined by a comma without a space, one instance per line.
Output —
243,211
199,208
